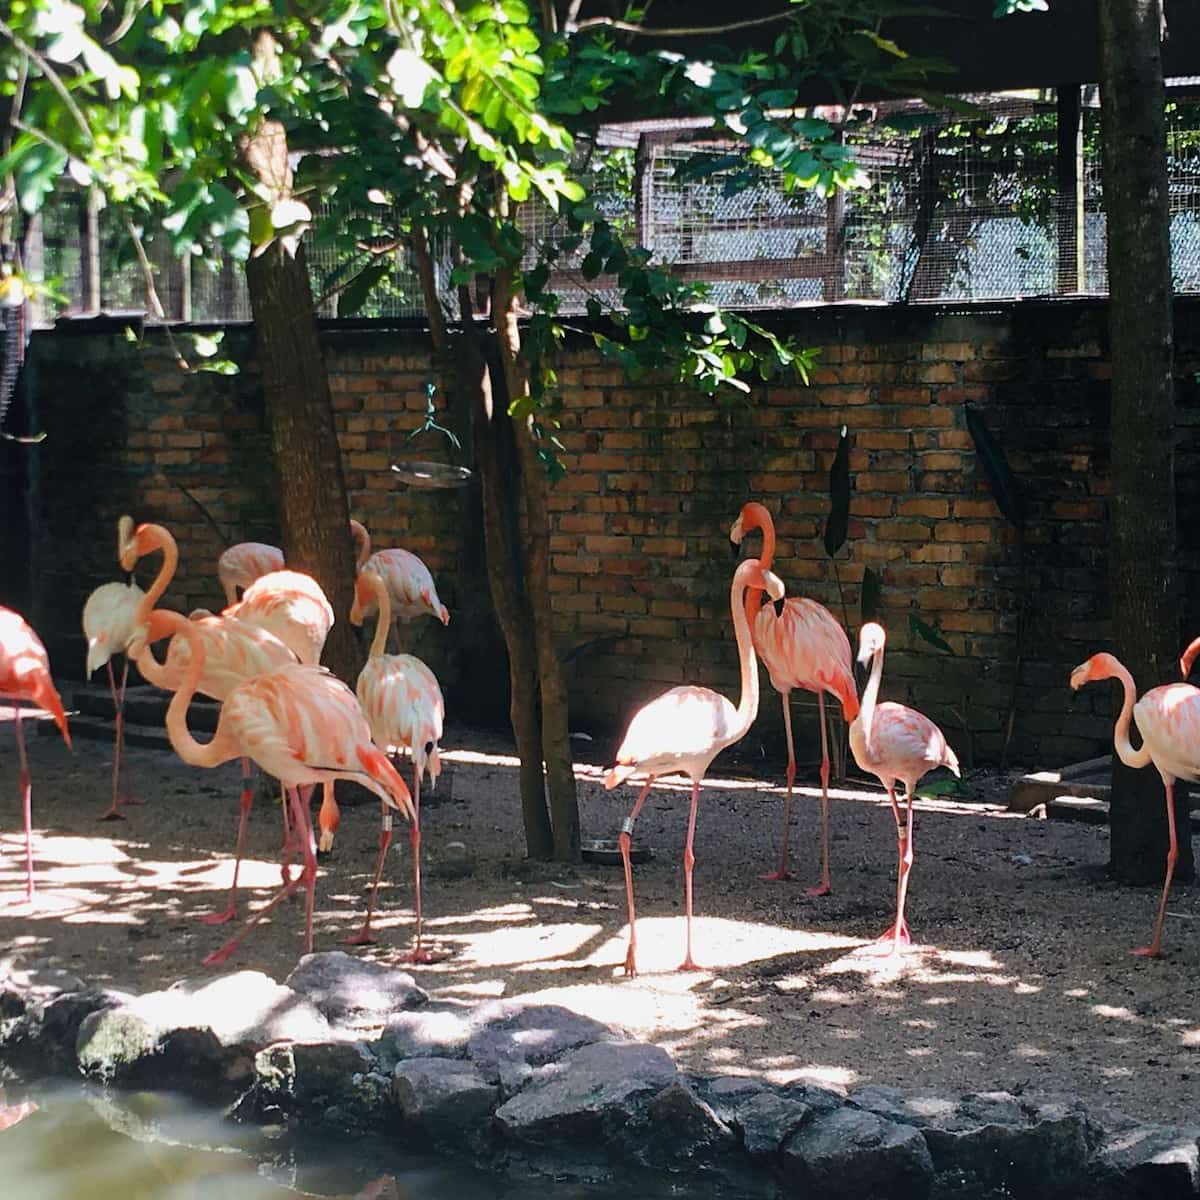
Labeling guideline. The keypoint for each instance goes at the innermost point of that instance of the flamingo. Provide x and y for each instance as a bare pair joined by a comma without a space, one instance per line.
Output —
291,605
25,675
681,732
895,743
241,565
299,723
403,704
410,585
108,624
233,652
1168,718
803,646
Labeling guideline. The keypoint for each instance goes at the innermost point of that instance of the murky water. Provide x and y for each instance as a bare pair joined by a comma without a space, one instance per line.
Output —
83,1144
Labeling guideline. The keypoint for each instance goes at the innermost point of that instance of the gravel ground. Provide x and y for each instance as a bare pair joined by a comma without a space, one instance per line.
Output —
1020,975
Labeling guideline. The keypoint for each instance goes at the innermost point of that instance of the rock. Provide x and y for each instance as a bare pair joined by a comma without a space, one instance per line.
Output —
678,1128
22,986
853,1154
445,1097
198,1038
45,1036
766,1120
354,992
1153,1161
589,1093
521,1037
333,1083
429,1032
1032,1146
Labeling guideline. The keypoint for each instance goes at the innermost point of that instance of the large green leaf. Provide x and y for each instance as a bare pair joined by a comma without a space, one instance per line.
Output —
837,524
1005,489
926,631
355,294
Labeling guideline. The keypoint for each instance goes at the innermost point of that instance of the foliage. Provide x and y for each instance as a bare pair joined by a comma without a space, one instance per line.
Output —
1005,489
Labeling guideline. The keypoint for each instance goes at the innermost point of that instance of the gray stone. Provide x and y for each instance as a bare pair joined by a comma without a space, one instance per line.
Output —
521,1037
1155,1161
766,1120
445,1097
678,1127
1031,1145
354,992
44,1037
432,1031
593,1091
197,1037
334,1083
856,1155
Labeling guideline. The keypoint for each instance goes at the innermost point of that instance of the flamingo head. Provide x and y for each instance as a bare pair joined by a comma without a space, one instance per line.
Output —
1099,666
752,574
368,584
427,756
871,639
753,516
126,544
98,652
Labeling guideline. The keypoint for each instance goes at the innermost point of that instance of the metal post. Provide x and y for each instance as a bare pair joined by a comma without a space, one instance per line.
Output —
1070,207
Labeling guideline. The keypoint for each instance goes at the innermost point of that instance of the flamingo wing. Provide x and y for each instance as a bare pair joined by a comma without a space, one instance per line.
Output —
108,621
293,607
1169,720
805,646
410,587
681,727
906,743
25,668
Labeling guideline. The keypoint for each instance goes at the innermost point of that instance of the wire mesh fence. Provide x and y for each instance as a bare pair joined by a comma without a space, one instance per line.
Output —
1004,204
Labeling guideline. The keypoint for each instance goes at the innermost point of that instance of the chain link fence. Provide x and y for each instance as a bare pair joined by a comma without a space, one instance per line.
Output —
973,207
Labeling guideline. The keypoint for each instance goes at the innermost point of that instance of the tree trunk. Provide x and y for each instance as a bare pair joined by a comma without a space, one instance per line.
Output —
556,744
505,581
1145,598
310,487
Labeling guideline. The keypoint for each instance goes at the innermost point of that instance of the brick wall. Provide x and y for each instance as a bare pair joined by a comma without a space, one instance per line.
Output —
656,476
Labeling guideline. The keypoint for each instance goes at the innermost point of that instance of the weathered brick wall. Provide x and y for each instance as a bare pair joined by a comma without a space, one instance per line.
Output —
656,476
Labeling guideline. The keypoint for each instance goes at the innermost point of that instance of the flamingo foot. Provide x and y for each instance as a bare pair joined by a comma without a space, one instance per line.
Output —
891,941
630,964
1151,951
364,937
113,811
778,876
689,964
219,918
219,957
422,957
820,889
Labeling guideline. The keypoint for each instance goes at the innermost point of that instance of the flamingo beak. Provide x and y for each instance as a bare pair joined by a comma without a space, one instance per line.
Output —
1079,677
736,533
779,607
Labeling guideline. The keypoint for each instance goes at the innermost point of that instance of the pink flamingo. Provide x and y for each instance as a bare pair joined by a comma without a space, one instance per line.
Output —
108,624
25,675
241,565
404,707
233,652
291,605
803,646
410,585
300,724
895,743
1168,718
1188,657
681,732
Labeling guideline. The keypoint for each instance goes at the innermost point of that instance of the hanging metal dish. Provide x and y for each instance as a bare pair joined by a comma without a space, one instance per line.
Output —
431,475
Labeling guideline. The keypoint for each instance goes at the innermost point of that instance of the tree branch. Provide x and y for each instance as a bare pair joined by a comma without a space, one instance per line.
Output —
692,31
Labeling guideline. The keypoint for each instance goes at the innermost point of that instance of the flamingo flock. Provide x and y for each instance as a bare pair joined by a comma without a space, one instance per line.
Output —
259,658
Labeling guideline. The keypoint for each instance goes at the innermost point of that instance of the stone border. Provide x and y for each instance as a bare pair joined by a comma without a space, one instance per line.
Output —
537,1089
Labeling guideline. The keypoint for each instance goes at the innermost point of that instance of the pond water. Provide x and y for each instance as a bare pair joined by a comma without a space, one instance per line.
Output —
84,1144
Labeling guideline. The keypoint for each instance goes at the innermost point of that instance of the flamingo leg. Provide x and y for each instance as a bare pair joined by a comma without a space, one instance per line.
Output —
689,861
113,813
327,819
783,872
823,888
26,804
1152,950
364,937
286,845
625,841
897,933
307,877
417,954
229,912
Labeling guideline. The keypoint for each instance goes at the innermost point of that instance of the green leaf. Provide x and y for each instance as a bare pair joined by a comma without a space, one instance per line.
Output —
837,524
1005,489
872,588
355,294
928,633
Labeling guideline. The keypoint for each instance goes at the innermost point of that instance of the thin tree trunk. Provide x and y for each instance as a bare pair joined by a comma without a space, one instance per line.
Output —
310,487
1145,597
490,426
556,745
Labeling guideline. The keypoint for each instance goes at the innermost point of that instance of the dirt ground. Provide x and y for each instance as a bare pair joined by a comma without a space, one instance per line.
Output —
1020,976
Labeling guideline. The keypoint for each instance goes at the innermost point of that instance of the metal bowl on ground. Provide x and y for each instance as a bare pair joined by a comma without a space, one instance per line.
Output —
607,852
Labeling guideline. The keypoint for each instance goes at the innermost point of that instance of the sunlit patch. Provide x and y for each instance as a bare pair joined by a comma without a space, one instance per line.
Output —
919,1051
1190,1037
921,1023
1077,993
1114,1011
847,1035
1025,1050
939,1001
1117,1072
1026,989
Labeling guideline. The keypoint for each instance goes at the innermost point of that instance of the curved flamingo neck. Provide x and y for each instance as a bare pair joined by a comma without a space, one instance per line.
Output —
377,584
866,709
186,746
362,543
756,516
151,538
747,708
1121,743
